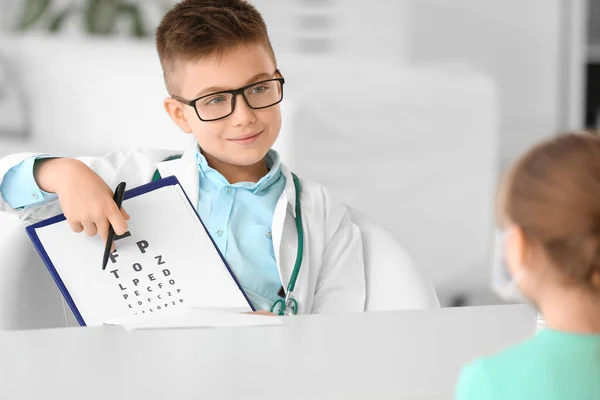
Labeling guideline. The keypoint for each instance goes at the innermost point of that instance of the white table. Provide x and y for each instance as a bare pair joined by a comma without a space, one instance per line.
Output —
410,354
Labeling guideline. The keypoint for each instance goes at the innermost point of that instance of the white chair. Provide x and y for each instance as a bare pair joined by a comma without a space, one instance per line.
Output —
393,280
29,298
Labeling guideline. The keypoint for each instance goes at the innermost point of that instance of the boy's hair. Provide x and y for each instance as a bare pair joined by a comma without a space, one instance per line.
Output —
195,29
553,194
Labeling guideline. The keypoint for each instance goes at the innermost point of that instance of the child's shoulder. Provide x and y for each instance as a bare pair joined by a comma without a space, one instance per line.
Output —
489,374
157,154
142,157
317,199
143,154
312,192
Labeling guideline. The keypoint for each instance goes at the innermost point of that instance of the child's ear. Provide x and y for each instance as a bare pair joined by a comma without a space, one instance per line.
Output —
175,111
519,250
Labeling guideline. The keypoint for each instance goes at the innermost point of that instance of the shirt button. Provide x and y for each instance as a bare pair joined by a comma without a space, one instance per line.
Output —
269,234
35,196
220,232
228,189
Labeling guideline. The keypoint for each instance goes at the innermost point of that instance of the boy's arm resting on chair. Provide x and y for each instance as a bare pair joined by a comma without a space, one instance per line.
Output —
341,282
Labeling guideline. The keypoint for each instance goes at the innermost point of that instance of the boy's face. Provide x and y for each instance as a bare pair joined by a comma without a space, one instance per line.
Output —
244,137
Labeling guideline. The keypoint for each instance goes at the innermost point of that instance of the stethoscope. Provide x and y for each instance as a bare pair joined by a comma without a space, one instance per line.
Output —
289,305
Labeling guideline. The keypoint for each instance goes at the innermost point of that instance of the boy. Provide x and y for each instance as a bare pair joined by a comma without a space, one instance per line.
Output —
208,49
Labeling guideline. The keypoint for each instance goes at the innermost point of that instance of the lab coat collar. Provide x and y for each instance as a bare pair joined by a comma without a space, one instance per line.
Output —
207,173
289,191
186,171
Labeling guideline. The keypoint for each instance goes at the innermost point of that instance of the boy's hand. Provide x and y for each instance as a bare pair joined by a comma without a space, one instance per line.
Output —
86,200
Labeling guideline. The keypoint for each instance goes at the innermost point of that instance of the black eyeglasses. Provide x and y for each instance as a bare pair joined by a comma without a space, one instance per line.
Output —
219,105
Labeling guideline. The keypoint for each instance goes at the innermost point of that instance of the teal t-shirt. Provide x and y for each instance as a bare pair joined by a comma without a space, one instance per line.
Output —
552,365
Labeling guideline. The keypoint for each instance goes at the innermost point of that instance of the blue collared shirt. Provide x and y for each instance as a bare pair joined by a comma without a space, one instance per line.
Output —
19,189
238,217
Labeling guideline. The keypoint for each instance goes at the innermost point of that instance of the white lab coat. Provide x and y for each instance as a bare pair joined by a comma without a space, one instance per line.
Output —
332,277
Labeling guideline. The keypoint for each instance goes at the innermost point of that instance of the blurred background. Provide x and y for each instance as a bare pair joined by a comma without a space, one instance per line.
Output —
409,110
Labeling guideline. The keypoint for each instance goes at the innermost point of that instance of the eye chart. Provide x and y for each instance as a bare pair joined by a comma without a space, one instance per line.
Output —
165,260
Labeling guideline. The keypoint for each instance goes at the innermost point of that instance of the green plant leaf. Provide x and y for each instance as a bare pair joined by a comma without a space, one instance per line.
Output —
32,12
101,16
59,19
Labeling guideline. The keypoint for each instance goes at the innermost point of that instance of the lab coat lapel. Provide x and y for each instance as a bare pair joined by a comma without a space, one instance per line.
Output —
285,237
185,169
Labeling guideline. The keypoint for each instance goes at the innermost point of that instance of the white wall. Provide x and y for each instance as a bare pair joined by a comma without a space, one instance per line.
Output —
345,28
517,41
90,96
7,13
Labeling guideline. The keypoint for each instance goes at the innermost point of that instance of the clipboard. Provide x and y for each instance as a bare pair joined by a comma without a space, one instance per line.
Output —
170,270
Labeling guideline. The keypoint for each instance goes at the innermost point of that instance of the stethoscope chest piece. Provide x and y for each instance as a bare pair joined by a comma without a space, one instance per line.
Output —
287,306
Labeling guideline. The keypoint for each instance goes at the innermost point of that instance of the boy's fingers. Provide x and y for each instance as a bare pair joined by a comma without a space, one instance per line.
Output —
105,238
103,231
90,228
117,220
76,227
125,215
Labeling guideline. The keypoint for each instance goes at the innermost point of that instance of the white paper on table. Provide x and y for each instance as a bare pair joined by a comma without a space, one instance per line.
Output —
189,317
